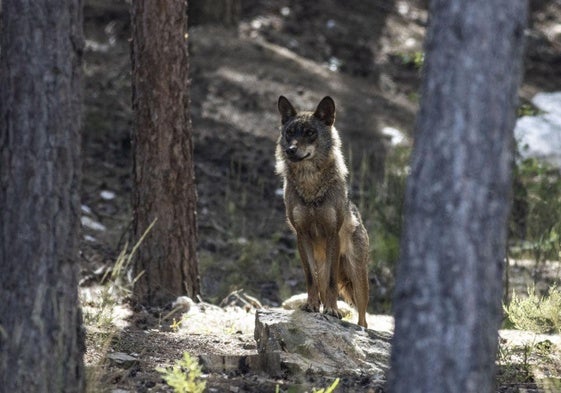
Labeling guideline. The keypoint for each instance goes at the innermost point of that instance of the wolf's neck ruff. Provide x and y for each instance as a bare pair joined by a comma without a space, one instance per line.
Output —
312,182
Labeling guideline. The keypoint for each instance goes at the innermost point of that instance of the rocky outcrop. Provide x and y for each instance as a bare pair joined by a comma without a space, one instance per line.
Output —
299,342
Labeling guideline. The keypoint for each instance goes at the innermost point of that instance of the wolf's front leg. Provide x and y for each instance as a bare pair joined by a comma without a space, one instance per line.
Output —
305,250
333,251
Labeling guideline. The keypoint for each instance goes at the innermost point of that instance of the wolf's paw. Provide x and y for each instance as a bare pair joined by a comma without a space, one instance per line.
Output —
309,307
334,312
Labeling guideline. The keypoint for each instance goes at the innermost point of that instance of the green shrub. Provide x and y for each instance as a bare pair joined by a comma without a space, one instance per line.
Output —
184,376
540,314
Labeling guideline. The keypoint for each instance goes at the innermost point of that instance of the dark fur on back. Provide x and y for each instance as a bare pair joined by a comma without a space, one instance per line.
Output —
332,242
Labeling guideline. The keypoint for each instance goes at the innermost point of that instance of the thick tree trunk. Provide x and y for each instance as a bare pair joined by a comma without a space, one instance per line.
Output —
163,153
448,290
41,341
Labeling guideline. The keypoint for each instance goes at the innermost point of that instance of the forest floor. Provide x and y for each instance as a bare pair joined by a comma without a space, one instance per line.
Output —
365,55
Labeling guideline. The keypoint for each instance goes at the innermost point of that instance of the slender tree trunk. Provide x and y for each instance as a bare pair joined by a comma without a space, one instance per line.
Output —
163,153
41,341
448,289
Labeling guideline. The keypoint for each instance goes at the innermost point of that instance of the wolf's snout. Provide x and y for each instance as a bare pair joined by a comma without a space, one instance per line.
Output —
291,150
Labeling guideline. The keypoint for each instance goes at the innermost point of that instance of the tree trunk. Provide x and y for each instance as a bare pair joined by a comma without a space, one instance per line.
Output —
163,154
448,290
41,341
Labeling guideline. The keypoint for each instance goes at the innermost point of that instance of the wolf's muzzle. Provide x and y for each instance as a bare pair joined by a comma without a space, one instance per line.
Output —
292,154
291,151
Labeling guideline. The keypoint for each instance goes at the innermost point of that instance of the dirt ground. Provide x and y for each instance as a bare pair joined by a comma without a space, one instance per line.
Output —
361,53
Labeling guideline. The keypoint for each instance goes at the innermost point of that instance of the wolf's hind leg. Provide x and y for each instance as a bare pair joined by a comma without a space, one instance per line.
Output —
361,293
361,302
353,286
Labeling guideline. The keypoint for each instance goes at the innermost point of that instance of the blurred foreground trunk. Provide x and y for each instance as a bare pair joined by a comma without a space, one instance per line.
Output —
448,289
41,338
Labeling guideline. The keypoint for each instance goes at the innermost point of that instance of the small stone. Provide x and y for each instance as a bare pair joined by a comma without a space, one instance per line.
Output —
183,304
92,224
294,302
122,359
107,195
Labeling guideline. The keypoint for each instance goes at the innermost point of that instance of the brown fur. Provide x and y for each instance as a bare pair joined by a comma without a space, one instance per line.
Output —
332,241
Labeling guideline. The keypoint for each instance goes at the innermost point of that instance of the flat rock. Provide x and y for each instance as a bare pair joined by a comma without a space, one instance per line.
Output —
314,343
122,359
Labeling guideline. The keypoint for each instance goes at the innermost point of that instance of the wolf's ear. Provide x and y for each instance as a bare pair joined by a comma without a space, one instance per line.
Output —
286,109
326,111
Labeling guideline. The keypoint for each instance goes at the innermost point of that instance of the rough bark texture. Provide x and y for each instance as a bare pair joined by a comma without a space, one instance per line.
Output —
163,153
448,290
41,342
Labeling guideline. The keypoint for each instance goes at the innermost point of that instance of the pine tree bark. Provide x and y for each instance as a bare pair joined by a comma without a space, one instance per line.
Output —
448,289
41,341
163,154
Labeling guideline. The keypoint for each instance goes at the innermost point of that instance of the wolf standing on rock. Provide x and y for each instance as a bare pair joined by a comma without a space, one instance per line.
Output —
332,241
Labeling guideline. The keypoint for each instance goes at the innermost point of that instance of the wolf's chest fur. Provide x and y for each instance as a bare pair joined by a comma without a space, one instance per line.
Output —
312,183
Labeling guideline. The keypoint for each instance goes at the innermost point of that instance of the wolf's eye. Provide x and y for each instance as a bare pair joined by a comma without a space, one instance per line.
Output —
309,133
